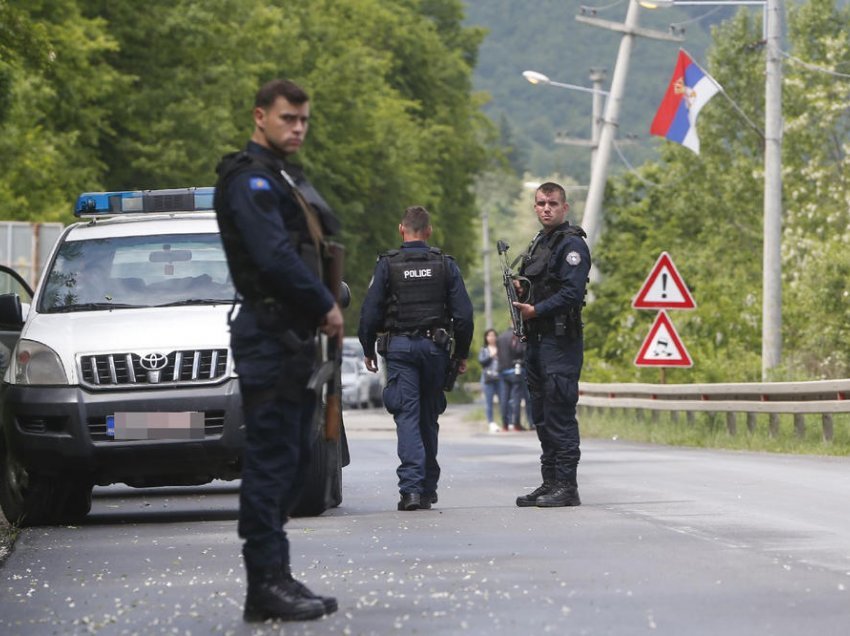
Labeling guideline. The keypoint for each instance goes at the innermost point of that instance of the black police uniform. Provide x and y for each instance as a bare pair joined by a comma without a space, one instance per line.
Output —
557,265
275,267
416,292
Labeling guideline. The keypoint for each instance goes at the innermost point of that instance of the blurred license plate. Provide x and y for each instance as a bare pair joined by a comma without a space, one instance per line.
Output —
181,425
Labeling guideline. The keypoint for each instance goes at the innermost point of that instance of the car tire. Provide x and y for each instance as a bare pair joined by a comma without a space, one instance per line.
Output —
27,499
323,486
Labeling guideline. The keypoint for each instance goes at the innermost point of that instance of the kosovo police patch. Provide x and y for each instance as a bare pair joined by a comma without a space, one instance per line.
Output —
573,258
258,183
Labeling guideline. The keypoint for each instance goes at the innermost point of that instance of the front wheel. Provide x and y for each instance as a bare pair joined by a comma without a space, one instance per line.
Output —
31,499
323,486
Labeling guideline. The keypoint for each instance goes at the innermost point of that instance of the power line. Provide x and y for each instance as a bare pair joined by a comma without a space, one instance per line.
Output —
813,67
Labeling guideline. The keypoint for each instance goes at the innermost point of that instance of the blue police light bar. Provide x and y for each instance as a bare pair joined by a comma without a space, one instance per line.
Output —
136,201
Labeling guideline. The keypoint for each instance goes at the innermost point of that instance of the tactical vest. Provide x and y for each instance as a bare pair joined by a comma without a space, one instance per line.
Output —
535,262
246,276
418,290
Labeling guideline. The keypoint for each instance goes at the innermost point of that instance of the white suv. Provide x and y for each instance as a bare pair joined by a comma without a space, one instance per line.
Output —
123,371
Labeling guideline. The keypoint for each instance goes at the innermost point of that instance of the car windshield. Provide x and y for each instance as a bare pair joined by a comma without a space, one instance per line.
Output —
137,271
349,366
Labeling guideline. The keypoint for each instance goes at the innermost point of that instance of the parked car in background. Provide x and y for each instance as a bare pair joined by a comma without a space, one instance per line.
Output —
355,382
377,381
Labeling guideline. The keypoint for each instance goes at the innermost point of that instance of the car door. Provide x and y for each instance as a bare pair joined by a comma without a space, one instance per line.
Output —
11,285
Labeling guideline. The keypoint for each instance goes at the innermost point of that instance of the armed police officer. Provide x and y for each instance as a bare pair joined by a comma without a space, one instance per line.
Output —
556,265
272,223
417,301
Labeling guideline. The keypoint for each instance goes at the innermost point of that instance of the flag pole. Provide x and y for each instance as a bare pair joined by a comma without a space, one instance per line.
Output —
726,95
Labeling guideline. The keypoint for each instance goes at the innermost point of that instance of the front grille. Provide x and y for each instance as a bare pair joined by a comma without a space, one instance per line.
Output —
213,426
110,370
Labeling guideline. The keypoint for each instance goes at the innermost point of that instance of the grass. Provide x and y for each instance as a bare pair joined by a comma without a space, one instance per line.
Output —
710,430
8,534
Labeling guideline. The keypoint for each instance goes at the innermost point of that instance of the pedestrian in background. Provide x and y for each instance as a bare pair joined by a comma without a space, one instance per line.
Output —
488,357
418,302
557,265
511,352
270,239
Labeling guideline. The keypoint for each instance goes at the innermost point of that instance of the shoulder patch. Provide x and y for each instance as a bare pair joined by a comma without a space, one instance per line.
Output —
573,258
259,183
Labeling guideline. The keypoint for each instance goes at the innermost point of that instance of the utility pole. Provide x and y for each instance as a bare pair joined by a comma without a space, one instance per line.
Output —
597,76
485,252
592,220
771,337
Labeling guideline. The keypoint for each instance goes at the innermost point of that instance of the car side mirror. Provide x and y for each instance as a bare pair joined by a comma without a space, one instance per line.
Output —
344,295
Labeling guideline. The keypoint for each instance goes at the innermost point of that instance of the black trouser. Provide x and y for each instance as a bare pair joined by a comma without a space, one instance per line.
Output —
279,414
553,365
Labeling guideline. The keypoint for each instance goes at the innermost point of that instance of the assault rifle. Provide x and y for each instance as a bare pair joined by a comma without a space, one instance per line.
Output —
508,278
334,254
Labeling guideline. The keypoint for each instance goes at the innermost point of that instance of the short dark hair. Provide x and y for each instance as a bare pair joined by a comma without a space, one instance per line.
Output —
416,219
285,88
549,187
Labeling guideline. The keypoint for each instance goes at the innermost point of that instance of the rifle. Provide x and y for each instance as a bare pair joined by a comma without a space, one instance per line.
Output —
333,256
508,278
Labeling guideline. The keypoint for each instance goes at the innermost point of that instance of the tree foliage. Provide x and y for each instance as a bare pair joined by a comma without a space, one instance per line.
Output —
151,95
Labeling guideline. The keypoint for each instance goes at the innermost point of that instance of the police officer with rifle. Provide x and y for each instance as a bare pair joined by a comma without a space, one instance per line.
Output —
418,315
556,267
273,226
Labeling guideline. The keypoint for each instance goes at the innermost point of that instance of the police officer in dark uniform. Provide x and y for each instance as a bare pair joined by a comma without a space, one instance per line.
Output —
416,300
556,265
272,244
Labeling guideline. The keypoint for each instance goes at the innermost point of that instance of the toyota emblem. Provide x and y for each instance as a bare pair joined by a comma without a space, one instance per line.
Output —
153,361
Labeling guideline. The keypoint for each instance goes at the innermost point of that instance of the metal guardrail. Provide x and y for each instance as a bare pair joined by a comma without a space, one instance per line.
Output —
824,397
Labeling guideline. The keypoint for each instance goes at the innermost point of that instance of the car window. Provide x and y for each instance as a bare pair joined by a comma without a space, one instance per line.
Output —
137,271
348,366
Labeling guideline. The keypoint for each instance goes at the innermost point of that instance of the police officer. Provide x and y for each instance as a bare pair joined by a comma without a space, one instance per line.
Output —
416,300
556,264
271,239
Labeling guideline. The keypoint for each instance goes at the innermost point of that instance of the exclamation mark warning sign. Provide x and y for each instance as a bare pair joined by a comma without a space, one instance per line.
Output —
664,288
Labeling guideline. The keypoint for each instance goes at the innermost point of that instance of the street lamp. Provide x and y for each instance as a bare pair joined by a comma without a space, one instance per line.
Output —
597,76
771,335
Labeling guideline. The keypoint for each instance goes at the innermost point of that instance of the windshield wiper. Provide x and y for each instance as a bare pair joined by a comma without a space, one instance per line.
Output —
90,307
198,301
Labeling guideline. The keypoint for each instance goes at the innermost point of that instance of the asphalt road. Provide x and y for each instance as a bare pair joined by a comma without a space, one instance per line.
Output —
668,541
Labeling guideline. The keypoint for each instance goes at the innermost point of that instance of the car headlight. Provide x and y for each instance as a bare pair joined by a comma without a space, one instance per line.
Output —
34,363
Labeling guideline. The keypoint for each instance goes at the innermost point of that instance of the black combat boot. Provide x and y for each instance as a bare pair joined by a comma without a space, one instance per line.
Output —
525,501
564,493
329,602
427,499
410,501
271,596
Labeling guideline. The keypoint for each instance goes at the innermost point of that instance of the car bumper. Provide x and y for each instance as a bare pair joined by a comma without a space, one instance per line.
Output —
63,431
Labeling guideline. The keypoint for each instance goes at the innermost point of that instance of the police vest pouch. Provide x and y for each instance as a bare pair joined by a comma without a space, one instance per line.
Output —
382,343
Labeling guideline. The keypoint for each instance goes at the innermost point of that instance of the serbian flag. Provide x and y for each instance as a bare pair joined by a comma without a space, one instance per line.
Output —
689,90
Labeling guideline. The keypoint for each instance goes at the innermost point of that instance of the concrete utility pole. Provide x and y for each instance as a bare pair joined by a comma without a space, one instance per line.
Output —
597,76
771,337
592,220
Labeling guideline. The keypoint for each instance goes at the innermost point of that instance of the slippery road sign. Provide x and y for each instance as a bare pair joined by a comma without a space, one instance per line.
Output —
662,346
664,288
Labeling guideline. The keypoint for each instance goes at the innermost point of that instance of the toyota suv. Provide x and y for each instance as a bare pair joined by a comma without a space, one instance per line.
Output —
122,372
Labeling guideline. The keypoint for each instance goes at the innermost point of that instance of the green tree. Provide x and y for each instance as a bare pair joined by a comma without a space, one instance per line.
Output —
55,89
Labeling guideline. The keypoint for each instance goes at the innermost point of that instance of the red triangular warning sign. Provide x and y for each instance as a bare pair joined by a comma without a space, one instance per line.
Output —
662,347
664,288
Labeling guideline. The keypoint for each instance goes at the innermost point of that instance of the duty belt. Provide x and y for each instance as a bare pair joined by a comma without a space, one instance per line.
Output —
439,335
